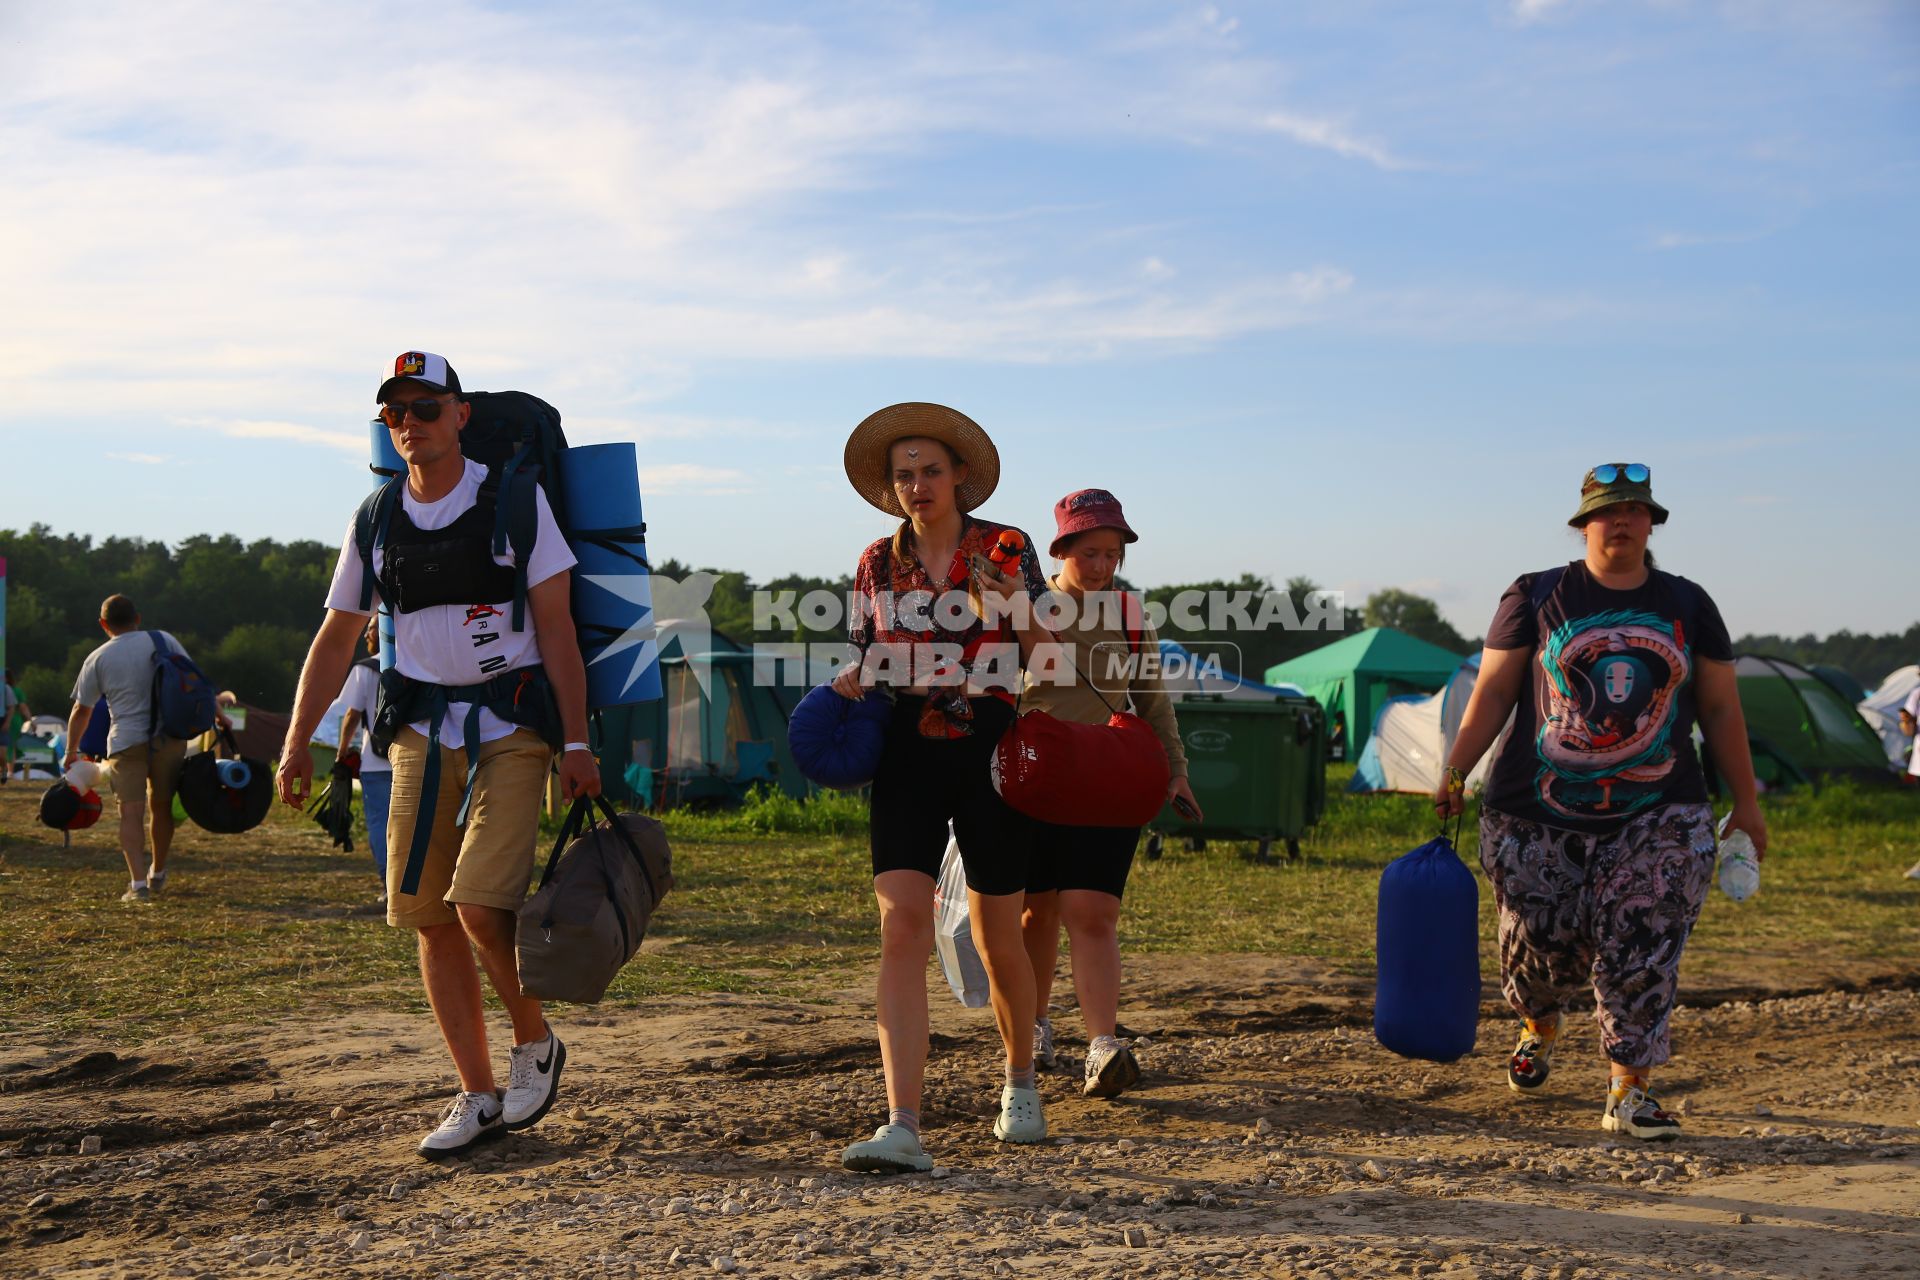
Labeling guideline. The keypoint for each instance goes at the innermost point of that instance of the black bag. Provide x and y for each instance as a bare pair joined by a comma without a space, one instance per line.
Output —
596,896
222,798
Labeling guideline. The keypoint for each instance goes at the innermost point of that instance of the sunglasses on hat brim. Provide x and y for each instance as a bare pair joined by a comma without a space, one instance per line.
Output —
1631,472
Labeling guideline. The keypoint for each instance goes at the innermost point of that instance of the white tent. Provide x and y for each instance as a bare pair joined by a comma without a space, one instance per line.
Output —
1881,711
1412,735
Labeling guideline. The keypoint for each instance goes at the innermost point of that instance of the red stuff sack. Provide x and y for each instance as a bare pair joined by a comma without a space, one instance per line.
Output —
1082,775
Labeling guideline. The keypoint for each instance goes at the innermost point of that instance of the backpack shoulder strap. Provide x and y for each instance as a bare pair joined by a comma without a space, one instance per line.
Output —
1133,619
516,524
370,524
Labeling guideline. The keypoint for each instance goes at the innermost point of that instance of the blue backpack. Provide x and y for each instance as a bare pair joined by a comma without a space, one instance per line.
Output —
183,704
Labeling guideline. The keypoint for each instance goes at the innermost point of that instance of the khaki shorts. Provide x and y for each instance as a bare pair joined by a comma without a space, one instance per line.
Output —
490,862
144,771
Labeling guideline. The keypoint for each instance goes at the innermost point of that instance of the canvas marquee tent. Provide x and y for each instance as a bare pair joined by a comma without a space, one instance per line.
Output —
1354,677
1800,728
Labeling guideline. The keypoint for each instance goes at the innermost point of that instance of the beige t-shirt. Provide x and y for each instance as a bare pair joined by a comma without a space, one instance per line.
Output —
1096,638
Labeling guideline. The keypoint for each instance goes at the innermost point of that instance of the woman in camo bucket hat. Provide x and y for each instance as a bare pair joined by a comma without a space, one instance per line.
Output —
1595,828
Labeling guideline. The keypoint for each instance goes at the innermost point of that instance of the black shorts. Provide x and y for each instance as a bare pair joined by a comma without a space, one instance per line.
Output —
925,782
1097,858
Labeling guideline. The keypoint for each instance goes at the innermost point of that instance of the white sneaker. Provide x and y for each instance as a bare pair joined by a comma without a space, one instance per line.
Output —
533,1080
470,1118
1043,1055
1635,1112
1111,1069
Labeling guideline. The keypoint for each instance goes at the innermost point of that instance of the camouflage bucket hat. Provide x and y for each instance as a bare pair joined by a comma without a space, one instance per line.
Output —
1612,482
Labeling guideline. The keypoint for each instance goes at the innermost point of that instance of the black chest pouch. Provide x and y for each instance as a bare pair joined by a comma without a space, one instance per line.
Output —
454,565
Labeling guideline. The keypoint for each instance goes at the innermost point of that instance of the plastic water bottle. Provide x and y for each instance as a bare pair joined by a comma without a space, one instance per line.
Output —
1739,865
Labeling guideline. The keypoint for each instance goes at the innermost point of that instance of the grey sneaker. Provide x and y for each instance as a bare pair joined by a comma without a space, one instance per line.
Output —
137,893
1043,1054
470,1118
533,1080
1111,1069
157,881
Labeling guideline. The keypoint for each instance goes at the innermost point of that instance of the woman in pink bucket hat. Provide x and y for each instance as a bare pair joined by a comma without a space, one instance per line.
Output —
1077,875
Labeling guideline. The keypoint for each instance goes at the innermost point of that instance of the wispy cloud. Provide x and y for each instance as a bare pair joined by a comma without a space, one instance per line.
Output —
261,429
691,478
1530,11
1668,240
144,459
1329,135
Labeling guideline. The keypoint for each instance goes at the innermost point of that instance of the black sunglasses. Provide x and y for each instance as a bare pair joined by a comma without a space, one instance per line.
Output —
425,410
1605,473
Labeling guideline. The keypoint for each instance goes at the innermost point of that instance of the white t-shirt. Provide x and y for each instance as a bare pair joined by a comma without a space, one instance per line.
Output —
454,644
358,694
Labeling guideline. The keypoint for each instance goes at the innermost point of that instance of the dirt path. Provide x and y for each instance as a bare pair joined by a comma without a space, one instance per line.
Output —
1271,1138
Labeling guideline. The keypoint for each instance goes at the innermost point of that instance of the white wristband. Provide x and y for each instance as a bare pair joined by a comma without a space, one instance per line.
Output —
576,746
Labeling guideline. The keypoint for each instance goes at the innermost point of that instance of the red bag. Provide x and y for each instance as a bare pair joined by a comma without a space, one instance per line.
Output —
1082,775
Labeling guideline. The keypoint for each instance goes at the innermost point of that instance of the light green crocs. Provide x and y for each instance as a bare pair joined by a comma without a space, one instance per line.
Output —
892,1149
1020,1119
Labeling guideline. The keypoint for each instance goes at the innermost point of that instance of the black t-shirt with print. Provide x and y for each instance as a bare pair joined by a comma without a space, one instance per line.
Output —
1604,725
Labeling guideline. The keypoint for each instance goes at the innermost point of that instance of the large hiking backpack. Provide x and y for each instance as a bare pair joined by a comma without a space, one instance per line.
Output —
518,438
183,702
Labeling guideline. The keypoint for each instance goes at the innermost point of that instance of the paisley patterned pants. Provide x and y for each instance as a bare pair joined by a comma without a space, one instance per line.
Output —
1608,911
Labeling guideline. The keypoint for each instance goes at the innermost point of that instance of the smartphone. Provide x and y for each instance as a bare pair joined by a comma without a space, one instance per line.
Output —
1184,807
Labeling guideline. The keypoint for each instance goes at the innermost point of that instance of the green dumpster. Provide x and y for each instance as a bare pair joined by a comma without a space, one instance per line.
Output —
1258,769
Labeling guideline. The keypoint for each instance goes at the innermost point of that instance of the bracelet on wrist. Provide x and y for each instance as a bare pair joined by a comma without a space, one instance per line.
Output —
1456,780
576,746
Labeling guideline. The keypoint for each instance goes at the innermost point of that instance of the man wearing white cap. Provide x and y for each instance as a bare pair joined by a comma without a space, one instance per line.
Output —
469,698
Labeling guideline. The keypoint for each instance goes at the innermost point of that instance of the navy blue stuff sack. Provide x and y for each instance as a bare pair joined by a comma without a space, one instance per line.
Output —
183,702
1426,1002
837,742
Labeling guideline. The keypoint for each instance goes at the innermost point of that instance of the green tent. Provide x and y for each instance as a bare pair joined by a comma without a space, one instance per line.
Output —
712,736
1800,728
1354,677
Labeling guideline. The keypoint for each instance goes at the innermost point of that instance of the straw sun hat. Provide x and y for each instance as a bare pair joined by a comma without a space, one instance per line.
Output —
870,471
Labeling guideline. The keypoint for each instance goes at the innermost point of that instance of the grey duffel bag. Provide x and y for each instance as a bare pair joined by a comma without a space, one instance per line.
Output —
599,890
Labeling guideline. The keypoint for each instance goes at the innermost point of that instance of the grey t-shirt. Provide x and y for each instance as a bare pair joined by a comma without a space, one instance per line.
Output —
121,671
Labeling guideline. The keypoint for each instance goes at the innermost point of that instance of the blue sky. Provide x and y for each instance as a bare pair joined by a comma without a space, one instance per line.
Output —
1351,290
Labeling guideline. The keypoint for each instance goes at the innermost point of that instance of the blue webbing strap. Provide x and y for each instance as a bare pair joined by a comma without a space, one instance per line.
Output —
437,698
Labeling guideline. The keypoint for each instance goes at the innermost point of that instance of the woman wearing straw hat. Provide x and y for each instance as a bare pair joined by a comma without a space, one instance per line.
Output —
1078,874
1595,829
937,622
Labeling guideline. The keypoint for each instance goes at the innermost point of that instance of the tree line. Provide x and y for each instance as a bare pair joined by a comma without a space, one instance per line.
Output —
247,611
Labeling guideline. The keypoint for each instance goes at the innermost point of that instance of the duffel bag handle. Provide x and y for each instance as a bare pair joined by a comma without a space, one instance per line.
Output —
575,825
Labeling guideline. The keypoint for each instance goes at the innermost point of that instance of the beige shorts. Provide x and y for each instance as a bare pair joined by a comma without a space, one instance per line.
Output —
146,770
490,861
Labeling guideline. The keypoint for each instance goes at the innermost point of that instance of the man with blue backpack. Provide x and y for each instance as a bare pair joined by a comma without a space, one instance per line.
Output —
487,686
158,700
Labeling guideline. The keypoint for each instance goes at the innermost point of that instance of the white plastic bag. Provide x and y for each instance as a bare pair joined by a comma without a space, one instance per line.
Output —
953,931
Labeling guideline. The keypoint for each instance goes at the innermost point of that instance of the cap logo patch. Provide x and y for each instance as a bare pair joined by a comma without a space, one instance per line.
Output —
1091,497
409,364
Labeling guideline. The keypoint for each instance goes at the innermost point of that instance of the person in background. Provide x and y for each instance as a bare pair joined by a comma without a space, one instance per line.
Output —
1910,725
13,713
376,775
145,762
1077,874
1595,830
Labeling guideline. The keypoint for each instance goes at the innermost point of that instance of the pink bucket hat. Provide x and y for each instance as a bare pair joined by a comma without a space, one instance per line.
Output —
1083,510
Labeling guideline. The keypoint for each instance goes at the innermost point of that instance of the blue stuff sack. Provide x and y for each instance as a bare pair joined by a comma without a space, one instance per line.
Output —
1426,1000
837,742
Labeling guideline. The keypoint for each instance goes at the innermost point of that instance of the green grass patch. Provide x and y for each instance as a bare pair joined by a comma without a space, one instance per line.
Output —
775,898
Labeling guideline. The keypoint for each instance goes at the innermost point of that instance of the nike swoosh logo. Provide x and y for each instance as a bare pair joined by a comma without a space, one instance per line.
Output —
487,1120
545,1066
